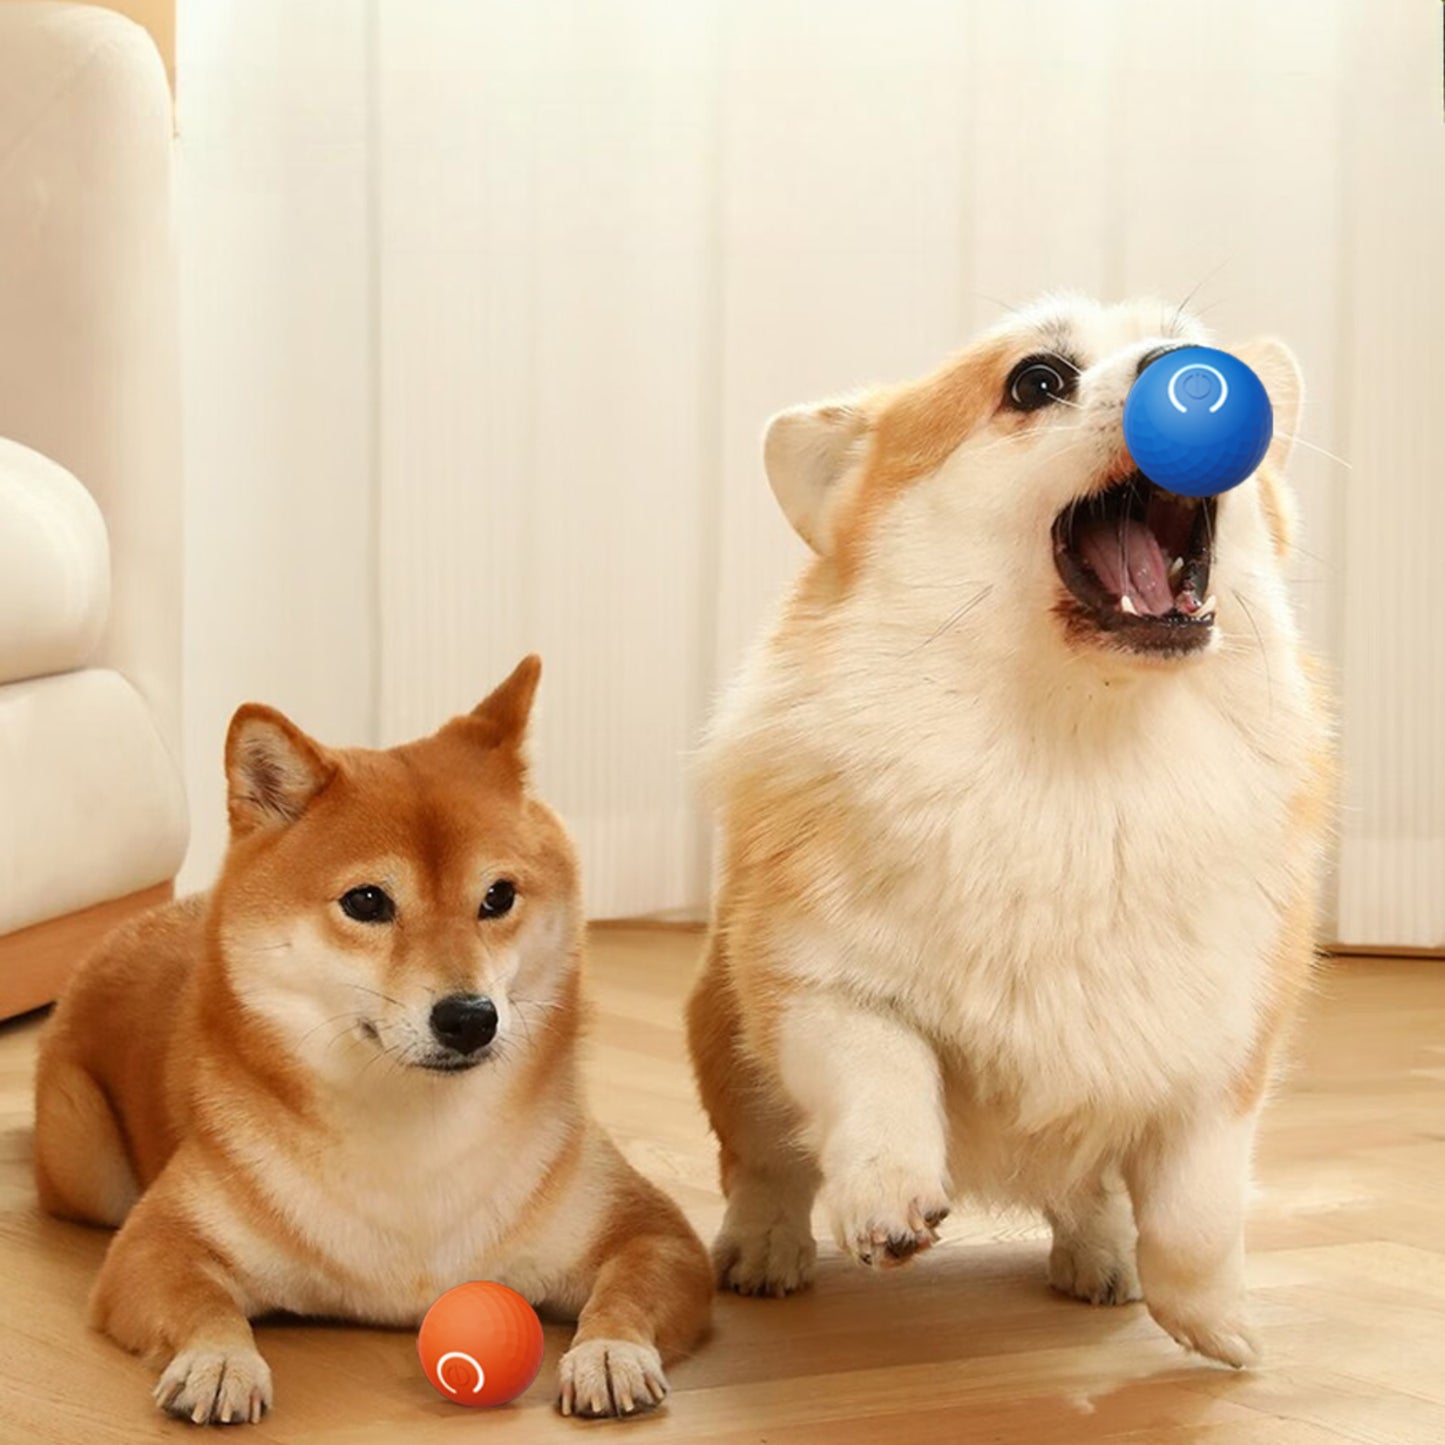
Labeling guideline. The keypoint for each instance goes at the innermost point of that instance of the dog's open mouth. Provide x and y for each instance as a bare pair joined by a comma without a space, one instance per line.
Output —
1136,559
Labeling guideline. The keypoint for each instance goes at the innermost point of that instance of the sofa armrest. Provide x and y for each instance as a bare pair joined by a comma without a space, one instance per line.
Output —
54,567
88,314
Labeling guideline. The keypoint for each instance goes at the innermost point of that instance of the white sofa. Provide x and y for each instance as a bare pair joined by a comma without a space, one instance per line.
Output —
92,808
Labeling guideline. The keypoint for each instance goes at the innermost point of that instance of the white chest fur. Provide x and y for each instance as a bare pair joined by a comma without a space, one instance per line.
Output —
395,1204
1075,895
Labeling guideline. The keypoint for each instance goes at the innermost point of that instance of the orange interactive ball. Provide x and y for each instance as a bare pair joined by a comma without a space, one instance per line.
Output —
480,1344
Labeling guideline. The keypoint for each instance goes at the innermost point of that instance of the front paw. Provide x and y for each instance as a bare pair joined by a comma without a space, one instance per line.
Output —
215,1387
883,1215
602,1378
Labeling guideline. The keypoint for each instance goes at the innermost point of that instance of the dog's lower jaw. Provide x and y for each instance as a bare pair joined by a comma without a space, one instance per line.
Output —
449,1066
1116,649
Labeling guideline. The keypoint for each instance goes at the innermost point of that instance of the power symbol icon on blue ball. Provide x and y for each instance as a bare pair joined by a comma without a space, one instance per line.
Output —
1199,385
1197,421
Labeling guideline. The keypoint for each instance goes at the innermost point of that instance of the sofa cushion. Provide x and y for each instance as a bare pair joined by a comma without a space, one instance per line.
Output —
91,802
54,567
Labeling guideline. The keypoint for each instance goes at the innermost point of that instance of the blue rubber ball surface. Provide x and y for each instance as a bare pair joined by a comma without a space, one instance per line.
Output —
1197,421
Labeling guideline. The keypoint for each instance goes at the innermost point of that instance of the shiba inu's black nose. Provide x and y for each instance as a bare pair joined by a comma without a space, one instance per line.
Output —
465,1022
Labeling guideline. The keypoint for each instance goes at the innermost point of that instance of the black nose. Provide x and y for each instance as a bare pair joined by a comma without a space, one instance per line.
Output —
465,1022
1150,357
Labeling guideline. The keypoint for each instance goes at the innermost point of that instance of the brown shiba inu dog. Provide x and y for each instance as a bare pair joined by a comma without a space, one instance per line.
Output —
1024,802
346,1079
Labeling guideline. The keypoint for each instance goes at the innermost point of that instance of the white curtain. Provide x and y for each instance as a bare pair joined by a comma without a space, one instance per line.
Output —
569,256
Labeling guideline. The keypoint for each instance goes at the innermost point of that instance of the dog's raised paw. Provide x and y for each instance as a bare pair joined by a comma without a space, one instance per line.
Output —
883,1218
215,1387
602,1378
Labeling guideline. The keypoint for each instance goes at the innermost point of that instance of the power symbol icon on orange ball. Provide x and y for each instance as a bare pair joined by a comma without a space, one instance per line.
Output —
480,1344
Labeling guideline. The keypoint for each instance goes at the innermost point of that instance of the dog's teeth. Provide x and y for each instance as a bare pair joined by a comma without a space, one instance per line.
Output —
1208,605
1126,604
1176,567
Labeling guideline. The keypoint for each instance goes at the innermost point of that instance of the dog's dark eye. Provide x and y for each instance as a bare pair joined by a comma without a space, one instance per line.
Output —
368,904
499,900
1038,380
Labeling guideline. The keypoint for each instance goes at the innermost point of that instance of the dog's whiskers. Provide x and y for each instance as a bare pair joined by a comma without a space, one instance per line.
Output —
1295,439
995,301
952,620
350,1018
952,586
1259,639
1174,324
377,993
537,1003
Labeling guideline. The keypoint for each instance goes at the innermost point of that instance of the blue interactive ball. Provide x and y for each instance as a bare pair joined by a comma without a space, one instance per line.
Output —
1197,421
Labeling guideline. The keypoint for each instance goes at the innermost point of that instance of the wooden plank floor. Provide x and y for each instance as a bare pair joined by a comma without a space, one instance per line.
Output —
968,1345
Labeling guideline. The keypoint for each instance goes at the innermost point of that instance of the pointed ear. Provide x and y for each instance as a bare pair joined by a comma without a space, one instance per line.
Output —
273,770
1275,365
808,452
505,711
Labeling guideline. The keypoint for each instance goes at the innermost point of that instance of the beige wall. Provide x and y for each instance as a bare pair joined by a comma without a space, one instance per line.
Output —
486,304
275,326
612,239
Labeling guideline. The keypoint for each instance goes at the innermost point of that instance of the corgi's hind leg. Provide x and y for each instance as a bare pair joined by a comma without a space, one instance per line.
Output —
1093,1257
1189,1184
165,1294
650,1298
766,1245
82,1169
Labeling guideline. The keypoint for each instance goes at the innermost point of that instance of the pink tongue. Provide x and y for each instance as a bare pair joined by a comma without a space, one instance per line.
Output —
1126,558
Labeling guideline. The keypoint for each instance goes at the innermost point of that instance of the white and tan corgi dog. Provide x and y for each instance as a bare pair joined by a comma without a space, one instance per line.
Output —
346,1080
1023,801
